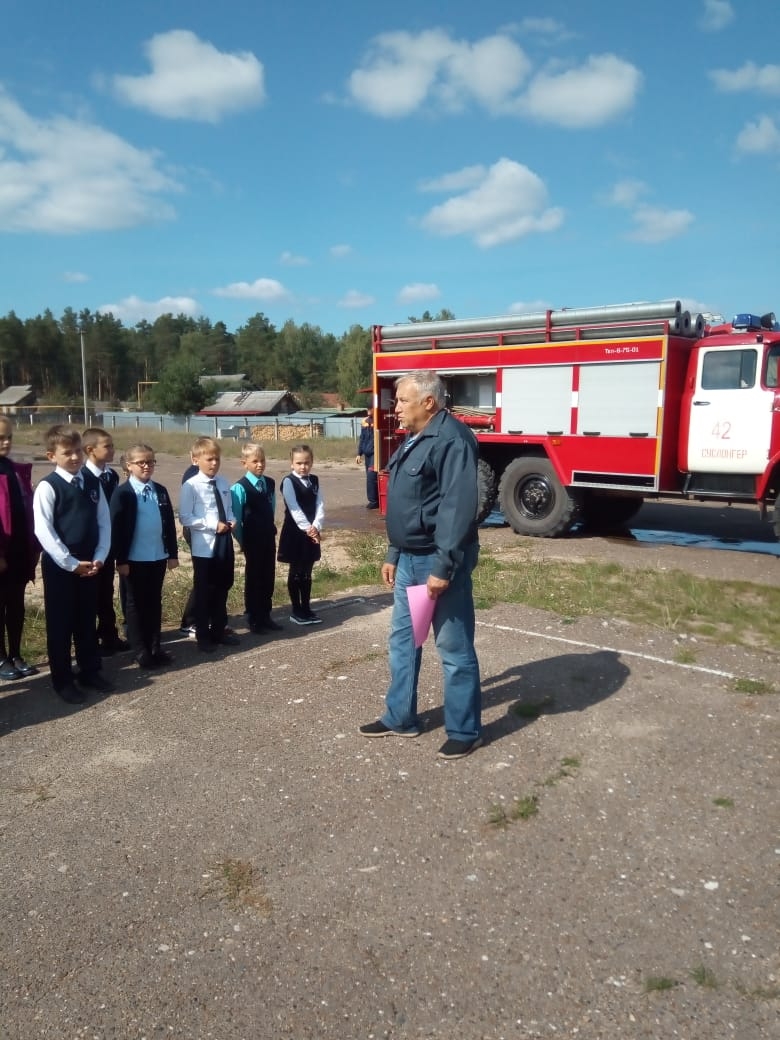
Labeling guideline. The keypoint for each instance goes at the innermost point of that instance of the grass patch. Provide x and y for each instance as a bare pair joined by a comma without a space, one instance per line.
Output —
723,803
733,612
566,769
702,976
524,808
685,656
238,884
659,983
532,710
754,687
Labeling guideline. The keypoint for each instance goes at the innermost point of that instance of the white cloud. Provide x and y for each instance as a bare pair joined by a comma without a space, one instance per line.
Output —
654,224
509,203
529,307
417,291
191,79
468,177
267,289
353,300
340,250
764,79
75,277
63,175
288,259
626,193
759,138
716,15
542,26
402,71
601,89
133,309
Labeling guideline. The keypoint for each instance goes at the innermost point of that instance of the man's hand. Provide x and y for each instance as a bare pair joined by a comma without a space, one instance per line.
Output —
388,574
436,586
358,459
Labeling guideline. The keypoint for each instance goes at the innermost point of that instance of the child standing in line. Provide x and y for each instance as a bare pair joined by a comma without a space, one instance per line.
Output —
254,506
299,542
205,507
98,448
73,526
18,554
187,627
143,540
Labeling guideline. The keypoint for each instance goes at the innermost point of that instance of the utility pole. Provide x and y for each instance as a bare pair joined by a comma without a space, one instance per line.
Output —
84,376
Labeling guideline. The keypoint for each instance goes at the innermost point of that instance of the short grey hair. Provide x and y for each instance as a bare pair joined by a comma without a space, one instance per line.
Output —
427,383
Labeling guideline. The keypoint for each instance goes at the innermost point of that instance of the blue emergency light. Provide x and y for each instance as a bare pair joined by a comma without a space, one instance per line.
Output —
753,321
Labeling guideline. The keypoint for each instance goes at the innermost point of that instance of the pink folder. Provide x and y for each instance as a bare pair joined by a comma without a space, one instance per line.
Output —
421,607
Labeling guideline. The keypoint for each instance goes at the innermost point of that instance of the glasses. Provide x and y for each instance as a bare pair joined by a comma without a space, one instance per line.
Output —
143,462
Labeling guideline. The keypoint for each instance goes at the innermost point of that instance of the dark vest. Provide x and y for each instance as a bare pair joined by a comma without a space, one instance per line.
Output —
258,518
306,496
75,514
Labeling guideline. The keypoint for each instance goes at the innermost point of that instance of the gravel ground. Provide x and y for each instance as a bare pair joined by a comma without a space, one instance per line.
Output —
213,851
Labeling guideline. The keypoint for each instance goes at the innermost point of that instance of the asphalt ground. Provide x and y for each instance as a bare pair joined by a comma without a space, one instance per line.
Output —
213,851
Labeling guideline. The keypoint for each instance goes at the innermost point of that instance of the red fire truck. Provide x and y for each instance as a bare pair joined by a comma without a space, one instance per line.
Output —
582,414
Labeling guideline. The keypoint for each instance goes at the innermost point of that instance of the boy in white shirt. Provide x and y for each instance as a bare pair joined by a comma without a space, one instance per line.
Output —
205,507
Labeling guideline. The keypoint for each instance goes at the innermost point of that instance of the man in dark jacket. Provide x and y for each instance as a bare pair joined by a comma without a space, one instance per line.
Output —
365,453
432,530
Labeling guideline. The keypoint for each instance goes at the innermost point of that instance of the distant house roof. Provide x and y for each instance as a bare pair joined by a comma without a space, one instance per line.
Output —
14,395
253,402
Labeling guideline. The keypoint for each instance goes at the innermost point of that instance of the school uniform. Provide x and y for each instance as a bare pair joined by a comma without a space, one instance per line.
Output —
143,536
19,550
254,502
72,523
107,631
303,508
203,503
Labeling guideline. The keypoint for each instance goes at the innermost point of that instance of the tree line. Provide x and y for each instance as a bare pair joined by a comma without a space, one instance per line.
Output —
174,350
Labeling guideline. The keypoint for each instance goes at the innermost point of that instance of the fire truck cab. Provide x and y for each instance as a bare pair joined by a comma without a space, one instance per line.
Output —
582,414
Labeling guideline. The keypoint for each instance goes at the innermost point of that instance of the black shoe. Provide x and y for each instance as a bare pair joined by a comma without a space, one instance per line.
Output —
313,619
379,729
23,668
95,682
299,618
145,660
9,671
269,625
71,694
372,505
161,657
204,647
113,646
227,639
452,749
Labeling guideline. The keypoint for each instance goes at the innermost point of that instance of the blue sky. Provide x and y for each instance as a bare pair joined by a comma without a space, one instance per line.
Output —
359,163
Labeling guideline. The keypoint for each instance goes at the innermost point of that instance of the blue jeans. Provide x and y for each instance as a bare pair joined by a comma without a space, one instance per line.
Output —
453,629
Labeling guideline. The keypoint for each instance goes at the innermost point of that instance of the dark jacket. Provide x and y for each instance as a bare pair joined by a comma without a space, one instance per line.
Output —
124,510
23,473
366,443
432,496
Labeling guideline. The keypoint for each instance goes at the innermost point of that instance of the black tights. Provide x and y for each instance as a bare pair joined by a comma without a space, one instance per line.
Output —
11,617
299,587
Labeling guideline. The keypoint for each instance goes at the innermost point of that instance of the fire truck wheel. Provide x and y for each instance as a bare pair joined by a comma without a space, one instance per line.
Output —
607,512
487,487
533,500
